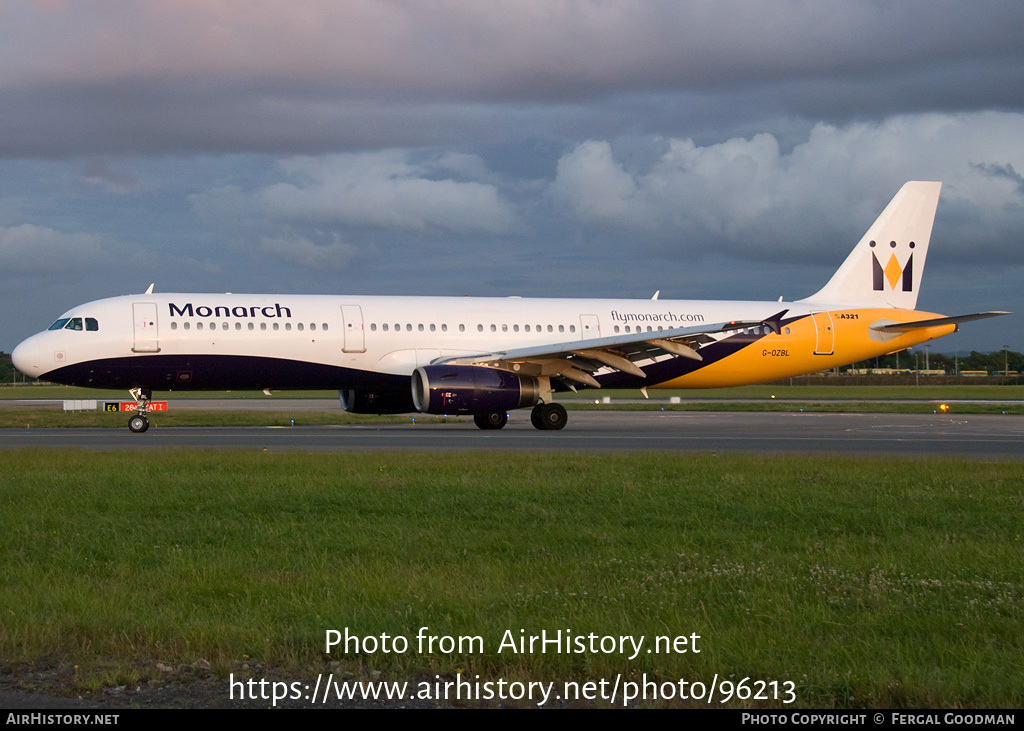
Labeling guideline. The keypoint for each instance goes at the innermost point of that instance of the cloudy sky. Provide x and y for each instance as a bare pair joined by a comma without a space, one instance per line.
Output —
718,149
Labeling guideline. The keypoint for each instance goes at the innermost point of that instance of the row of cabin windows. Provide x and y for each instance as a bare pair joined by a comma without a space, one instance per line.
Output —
75,323
90,324
765,330
750,331
252,326
638,328
408,327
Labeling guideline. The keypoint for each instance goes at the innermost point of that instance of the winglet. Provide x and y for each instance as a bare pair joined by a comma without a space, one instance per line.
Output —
775,321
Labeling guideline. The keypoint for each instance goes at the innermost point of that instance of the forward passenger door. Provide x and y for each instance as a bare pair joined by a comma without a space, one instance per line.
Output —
146,329
353,337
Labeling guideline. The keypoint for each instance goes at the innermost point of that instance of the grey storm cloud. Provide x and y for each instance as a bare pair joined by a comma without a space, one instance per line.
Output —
333,256
753,199
383,190
107,76
39,250
746,197
528,49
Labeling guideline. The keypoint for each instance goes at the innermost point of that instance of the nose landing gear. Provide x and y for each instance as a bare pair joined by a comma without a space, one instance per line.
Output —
139,423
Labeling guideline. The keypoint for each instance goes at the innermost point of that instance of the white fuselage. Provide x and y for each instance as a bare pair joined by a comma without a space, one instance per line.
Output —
373,334
197,341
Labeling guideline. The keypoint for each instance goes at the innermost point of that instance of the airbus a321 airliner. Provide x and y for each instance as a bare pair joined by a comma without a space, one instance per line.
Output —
486,356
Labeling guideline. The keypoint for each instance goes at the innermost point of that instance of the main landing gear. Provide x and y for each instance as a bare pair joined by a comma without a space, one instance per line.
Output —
547,417
138,423
491,419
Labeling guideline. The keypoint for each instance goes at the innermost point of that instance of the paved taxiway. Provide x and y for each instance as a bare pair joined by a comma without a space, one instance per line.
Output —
906,435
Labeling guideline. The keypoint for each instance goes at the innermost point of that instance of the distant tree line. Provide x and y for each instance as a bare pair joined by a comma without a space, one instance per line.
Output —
6,369
994,362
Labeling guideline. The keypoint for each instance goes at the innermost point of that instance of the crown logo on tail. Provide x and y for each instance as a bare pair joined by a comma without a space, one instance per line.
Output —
893,273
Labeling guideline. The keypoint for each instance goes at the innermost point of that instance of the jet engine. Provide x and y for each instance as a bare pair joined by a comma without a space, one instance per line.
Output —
455,389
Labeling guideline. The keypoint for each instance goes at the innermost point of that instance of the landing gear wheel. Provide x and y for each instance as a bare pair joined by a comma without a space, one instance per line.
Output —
549,417
138,424
490,419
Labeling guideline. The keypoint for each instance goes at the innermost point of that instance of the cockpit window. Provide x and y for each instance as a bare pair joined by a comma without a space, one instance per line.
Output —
75,323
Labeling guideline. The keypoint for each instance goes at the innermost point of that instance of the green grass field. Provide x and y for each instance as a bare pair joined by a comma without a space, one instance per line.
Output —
867,583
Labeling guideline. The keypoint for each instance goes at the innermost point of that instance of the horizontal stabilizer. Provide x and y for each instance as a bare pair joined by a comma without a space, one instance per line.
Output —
896,327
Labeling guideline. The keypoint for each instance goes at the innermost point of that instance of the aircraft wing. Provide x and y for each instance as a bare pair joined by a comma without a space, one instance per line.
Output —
897,327
578,360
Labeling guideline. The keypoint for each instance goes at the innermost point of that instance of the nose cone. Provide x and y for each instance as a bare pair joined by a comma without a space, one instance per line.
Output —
26,357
